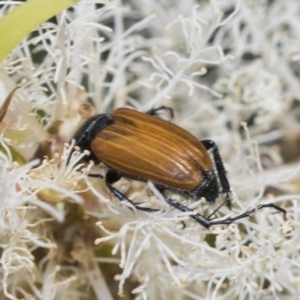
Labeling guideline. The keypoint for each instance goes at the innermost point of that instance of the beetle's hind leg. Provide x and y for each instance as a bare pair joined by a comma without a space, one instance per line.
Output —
210,217
153,111
248,213
221,172
199,218
206,222
112,177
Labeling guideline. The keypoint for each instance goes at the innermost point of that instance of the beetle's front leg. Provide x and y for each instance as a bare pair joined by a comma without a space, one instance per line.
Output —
112,177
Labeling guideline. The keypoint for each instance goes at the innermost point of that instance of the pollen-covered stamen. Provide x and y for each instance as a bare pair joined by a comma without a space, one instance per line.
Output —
62,171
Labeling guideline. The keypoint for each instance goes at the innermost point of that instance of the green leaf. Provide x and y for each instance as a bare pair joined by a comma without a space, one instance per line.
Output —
26,17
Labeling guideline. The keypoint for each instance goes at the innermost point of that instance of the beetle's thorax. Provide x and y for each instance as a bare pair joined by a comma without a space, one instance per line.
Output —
88,131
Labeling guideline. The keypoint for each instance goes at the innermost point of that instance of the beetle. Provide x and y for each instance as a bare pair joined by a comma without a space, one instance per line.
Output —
144,147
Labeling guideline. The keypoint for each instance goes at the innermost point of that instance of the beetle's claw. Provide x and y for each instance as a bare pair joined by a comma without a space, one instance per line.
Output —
147,209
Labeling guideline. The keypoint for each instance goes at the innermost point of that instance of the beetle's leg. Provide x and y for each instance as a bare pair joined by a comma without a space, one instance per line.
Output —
183,225
209,144
112,177
96,175
210,216
199,218
207,223
247,214
153,111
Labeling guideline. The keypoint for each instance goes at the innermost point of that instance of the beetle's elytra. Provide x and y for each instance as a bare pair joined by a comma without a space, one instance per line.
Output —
144,147
158,151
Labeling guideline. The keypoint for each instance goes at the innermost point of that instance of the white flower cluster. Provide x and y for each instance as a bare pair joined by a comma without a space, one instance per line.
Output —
230,69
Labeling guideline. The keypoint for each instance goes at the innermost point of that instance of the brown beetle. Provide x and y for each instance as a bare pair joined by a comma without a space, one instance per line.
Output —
144,147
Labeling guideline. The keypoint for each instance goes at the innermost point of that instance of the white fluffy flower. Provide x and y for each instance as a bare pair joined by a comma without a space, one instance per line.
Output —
230,70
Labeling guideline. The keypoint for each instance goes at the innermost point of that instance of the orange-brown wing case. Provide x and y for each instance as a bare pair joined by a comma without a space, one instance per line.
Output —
146,147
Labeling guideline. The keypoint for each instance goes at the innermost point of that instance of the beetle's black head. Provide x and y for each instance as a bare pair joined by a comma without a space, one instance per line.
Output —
88,131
